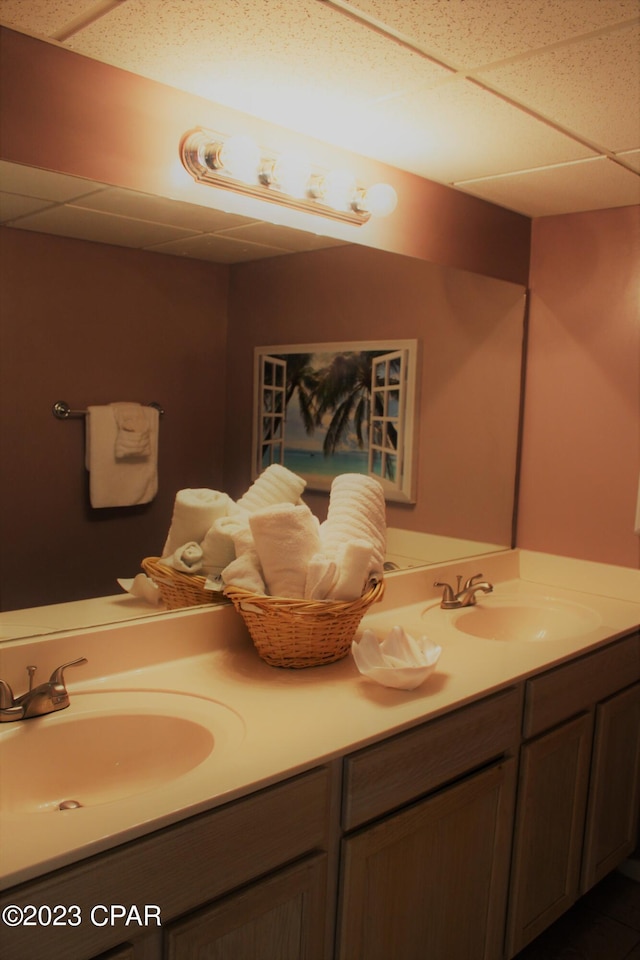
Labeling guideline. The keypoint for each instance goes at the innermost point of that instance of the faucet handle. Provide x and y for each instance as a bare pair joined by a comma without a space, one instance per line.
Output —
448,590
470,582
6,695
58,674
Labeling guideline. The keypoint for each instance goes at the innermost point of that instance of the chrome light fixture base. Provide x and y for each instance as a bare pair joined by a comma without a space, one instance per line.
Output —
202,154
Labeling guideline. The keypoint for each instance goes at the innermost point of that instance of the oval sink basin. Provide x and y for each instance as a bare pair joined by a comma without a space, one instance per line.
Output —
108,746
519,619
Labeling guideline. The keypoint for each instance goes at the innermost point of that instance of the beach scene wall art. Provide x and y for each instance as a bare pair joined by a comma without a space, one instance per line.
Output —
322,409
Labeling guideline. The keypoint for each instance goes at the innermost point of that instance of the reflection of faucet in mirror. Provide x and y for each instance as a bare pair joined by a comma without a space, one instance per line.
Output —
465,597
37,701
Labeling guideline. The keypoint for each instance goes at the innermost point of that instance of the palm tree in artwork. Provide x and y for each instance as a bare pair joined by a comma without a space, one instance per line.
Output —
344,390
302,377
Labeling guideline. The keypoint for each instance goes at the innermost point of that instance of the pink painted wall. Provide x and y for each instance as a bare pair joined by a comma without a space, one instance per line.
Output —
581,455
469,330
90,323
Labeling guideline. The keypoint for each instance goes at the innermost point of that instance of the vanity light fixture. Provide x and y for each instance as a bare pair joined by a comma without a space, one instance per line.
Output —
290,179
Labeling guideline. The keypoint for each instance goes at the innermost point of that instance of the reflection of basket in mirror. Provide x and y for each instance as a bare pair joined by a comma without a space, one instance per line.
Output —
301,633
178,589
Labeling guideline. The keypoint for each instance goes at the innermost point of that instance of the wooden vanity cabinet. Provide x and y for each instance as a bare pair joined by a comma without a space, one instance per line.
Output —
279,918
233,865
577,808
430,879
614,797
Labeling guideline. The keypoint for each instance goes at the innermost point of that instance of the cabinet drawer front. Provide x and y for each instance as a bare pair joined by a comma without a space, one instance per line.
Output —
567,690
178,868
383,777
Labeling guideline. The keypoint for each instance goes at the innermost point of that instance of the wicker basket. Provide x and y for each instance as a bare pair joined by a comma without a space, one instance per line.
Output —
179,589
301,633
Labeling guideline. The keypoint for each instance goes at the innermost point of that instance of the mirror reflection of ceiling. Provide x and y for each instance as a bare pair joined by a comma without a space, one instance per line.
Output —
529,104
48,202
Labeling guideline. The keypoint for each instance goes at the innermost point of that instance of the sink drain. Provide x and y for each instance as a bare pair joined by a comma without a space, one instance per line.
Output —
69,805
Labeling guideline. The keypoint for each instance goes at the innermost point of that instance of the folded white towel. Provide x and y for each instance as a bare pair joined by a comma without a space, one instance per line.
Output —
356,512
186,559
245,572
194,511
113,482
321,575
286,538
133,434
276,484
354,563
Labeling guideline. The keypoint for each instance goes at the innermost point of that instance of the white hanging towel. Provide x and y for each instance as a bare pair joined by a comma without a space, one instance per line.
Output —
117,481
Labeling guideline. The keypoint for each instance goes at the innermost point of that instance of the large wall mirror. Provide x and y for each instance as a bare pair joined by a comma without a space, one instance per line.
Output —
177,320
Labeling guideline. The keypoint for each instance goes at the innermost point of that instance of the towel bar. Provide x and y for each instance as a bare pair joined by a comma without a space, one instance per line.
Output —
62,411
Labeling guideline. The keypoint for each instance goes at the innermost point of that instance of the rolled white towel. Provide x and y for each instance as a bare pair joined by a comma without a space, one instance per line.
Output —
354,563
286,538
186,559
235,528
276,484
218,550
356,512
193,513
245,572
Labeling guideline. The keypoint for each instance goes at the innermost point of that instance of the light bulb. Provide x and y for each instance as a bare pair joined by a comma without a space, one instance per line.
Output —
291,173
240,158
337,189
379,200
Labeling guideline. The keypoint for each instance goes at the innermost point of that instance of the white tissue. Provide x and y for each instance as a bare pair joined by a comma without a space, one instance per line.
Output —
142,587
398,661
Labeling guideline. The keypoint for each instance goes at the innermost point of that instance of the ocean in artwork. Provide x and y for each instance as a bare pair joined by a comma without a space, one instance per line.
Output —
315,462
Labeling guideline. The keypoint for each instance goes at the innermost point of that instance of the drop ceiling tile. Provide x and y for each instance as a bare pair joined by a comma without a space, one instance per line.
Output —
631,158
218,249
595,184
70,221
295,64
468,33
43,17
285,238
12,206
142,206
44,184
591,87
459,132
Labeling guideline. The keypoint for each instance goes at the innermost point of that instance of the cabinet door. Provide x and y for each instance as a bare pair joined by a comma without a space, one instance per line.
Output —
279,918
612,814
431,880
554,776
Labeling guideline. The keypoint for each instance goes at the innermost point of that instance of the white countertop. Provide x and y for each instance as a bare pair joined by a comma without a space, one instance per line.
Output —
293,719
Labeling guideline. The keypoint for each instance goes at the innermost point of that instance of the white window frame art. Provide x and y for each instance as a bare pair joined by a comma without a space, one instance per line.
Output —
348,425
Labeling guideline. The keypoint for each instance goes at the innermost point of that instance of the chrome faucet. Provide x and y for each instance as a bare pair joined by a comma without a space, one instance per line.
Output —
37,701
463,596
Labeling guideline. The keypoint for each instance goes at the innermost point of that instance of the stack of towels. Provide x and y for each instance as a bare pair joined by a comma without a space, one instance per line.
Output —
269,541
